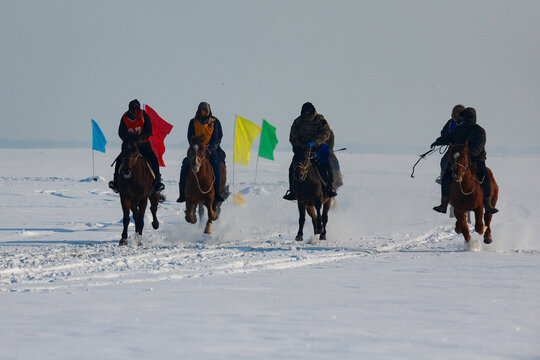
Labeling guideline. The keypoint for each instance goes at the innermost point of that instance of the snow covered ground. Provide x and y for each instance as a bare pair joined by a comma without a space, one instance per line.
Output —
392,281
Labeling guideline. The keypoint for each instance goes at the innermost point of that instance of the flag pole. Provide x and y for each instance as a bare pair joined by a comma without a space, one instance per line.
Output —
234,150
257,165
93,172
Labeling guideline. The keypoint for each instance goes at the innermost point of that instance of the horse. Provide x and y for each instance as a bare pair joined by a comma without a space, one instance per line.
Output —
466,194
200,186
309,194
135,187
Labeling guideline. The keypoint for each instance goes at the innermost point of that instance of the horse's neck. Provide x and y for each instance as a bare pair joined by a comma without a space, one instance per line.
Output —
467,183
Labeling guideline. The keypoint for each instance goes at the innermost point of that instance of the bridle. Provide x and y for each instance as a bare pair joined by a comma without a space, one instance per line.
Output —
131,160
458,176
199,160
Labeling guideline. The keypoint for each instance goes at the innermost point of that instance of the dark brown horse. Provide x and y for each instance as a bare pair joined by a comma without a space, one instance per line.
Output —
200,186
310,195
466,193
135,187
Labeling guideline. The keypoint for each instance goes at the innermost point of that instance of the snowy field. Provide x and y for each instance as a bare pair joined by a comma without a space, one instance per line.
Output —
392,281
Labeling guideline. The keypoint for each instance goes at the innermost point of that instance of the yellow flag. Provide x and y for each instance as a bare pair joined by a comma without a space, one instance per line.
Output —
246,132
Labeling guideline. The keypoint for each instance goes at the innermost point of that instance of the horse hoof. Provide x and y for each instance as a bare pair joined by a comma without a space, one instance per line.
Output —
487,240
322,237
299,238
207,231
123,242
155,225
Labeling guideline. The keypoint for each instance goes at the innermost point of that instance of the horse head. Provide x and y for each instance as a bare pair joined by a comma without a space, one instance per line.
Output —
129,156
459,160
302,163
196,153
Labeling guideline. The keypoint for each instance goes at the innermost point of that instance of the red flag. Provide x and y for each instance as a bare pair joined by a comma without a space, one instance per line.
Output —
160,129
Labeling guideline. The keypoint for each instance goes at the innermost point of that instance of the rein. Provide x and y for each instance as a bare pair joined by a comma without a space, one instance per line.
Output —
475,180
197,179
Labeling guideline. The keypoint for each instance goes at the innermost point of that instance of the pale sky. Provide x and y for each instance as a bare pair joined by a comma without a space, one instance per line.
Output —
382,72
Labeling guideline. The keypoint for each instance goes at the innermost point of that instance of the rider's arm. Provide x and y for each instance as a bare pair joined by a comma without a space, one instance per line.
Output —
477,142
122,131
217,134
147,130
323,134
190,130
293,136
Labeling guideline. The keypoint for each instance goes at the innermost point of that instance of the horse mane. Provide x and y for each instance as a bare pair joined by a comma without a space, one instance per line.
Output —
197,140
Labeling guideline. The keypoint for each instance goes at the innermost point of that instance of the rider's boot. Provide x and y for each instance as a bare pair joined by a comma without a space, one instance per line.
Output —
158,185
330,191
444,205
113,185
290,194
182,196
487,204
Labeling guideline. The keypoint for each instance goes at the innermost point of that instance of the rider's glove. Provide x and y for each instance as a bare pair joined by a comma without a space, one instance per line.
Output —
311,144
434,144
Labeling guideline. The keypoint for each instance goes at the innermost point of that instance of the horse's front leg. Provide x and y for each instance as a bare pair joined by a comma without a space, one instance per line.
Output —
209,203
211,215
301,220
478,222
125,221
154,200
326,208
317,221
461,223
190,212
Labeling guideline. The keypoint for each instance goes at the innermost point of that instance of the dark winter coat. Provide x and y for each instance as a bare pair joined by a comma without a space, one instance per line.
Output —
217,133
147,129
467,131
307,128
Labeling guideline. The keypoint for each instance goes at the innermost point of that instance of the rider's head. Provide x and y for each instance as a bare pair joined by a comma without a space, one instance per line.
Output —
308,109
456,110
468,115
134,105
203,111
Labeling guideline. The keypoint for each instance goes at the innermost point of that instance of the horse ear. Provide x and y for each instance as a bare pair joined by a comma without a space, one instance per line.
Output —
466,143
450,145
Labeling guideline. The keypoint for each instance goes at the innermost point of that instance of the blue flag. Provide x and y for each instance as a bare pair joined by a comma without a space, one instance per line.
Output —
98,139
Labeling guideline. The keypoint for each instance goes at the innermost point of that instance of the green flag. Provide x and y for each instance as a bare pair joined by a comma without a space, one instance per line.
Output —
268,141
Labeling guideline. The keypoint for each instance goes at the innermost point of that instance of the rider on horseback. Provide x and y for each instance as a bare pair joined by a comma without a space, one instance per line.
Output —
446,130
467,130
311,130
135,123
209,126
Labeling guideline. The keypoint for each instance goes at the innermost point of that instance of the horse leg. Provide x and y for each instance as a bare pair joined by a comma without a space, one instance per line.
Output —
487,217
211,215
138,216
326,207
154,200
478,222
314,215
209,202
190,212
318,223
461,222
125,220
301,220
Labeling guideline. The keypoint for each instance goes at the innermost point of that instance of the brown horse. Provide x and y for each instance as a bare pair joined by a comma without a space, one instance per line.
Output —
200,186
135,187
466,193
310,195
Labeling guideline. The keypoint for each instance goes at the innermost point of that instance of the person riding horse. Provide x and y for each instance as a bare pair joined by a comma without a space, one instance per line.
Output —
446,130
136,124
311,130
467,130
207,125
